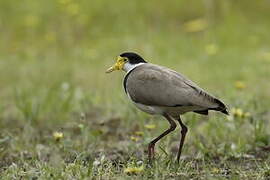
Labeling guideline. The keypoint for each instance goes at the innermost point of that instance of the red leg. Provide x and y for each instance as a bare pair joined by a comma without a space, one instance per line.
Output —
184,131
151,146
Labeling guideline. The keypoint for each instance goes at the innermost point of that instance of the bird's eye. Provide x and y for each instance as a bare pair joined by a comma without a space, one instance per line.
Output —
125,59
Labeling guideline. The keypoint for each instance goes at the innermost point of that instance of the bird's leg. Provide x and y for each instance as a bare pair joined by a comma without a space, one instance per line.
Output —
151,146
184,131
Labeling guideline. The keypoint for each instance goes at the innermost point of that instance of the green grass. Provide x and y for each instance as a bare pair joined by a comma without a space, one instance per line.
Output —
53,57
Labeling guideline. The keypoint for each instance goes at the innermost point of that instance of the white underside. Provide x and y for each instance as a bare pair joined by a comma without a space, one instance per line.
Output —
149,109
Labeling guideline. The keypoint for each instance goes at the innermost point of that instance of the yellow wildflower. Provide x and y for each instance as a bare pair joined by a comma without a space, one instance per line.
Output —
215,170
195,25
240,85
133,170
58,136
237,112
133,138
150,126
139,133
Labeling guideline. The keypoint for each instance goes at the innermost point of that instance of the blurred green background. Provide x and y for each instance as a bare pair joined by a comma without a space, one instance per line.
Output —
53,57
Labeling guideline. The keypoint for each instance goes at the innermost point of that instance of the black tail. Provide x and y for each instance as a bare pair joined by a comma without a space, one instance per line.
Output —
225,111
221,107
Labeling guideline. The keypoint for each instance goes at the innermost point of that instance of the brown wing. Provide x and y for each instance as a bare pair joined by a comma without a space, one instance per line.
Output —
154,85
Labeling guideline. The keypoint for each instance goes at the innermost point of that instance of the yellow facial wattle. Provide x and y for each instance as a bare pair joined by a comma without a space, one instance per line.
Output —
118,65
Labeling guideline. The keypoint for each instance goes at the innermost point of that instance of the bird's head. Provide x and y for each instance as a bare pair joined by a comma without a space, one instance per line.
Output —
126,61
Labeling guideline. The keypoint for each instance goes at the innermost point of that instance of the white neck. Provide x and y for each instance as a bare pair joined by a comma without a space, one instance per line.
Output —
128,67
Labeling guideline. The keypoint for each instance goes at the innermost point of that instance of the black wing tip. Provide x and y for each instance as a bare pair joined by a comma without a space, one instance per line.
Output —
202,112
221,107
225,111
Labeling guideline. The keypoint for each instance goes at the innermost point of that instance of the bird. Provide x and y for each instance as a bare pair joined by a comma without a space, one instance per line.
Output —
158,90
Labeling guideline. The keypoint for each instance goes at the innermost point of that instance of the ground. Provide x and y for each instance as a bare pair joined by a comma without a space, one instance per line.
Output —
62,117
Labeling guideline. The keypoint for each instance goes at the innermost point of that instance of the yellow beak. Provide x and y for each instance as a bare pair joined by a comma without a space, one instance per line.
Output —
111,69
117,66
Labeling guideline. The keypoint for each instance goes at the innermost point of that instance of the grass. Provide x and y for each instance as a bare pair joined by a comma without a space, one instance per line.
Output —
52,62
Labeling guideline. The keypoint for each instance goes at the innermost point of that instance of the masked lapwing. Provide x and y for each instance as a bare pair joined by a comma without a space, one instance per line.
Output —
159,90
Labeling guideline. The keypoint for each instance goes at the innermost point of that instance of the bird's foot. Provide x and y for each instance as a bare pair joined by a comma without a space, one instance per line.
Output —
151,151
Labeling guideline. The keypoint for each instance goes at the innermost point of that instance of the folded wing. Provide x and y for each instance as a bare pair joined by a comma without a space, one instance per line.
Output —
154,85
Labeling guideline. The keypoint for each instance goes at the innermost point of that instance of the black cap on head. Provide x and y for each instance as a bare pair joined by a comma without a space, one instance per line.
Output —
133,58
